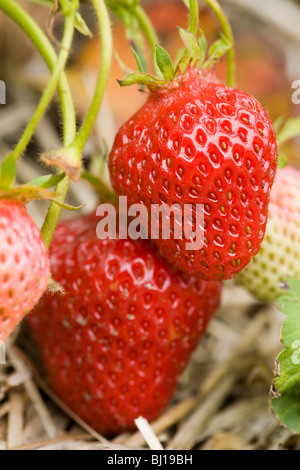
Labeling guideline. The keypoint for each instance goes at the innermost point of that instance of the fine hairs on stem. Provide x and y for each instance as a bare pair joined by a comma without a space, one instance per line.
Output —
76,147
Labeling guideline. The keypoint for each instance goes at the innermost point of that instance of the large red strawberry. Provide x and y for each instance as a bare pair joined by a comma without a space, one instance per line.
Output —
198,141
279,255
24,265
116,343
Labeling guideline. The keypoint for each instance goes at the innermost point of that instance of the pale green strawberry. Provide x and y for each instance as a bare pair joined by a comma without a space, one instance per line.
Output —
279,256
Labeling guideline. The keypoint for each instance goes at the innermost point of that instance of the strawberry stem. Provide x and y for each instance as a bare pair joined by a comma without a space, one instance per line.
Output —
54,211
194,17
227,30
76,147
126,8
69,10
100,186
40,40
106,57
147,27
42,43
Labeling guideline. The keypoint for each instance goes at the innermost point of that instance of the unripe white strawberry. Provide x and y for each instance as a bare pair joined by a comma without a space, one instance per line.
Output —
279,256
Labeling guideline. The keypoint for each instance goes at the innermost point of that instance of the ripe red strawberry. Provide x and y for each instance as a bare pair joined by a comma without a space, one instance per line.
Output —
24,265
116,343
279,255
197,141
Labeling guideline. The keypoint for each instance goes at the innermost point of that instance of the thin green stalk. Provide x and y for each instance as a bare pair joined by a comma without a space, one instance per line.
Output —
106,57
99,186
149,32
51,87
62,188
194,16
78,143
45,48
135,11
147,27
54,212
227,30
42,43
40,40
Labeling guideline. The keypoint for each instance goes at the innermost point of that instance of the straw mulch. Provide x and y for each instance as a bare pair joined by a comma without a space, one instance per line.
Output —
222,401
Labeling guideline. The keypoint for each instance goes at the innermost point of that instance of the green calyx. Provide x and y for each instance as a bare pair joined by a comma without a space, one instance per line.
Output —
27,193
37,189
194,55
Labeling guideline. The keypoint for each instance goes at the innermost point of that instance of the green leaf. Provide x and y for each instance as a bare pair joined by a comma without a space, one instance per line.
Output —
140,56
133,32
138,78
289,130
216,51
203,46
287,382
164,63
67,206
125,69
282,161
287,408
47,181
139,61
191,43
193,53
289,301
7,172
181,52
81,25
289,366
